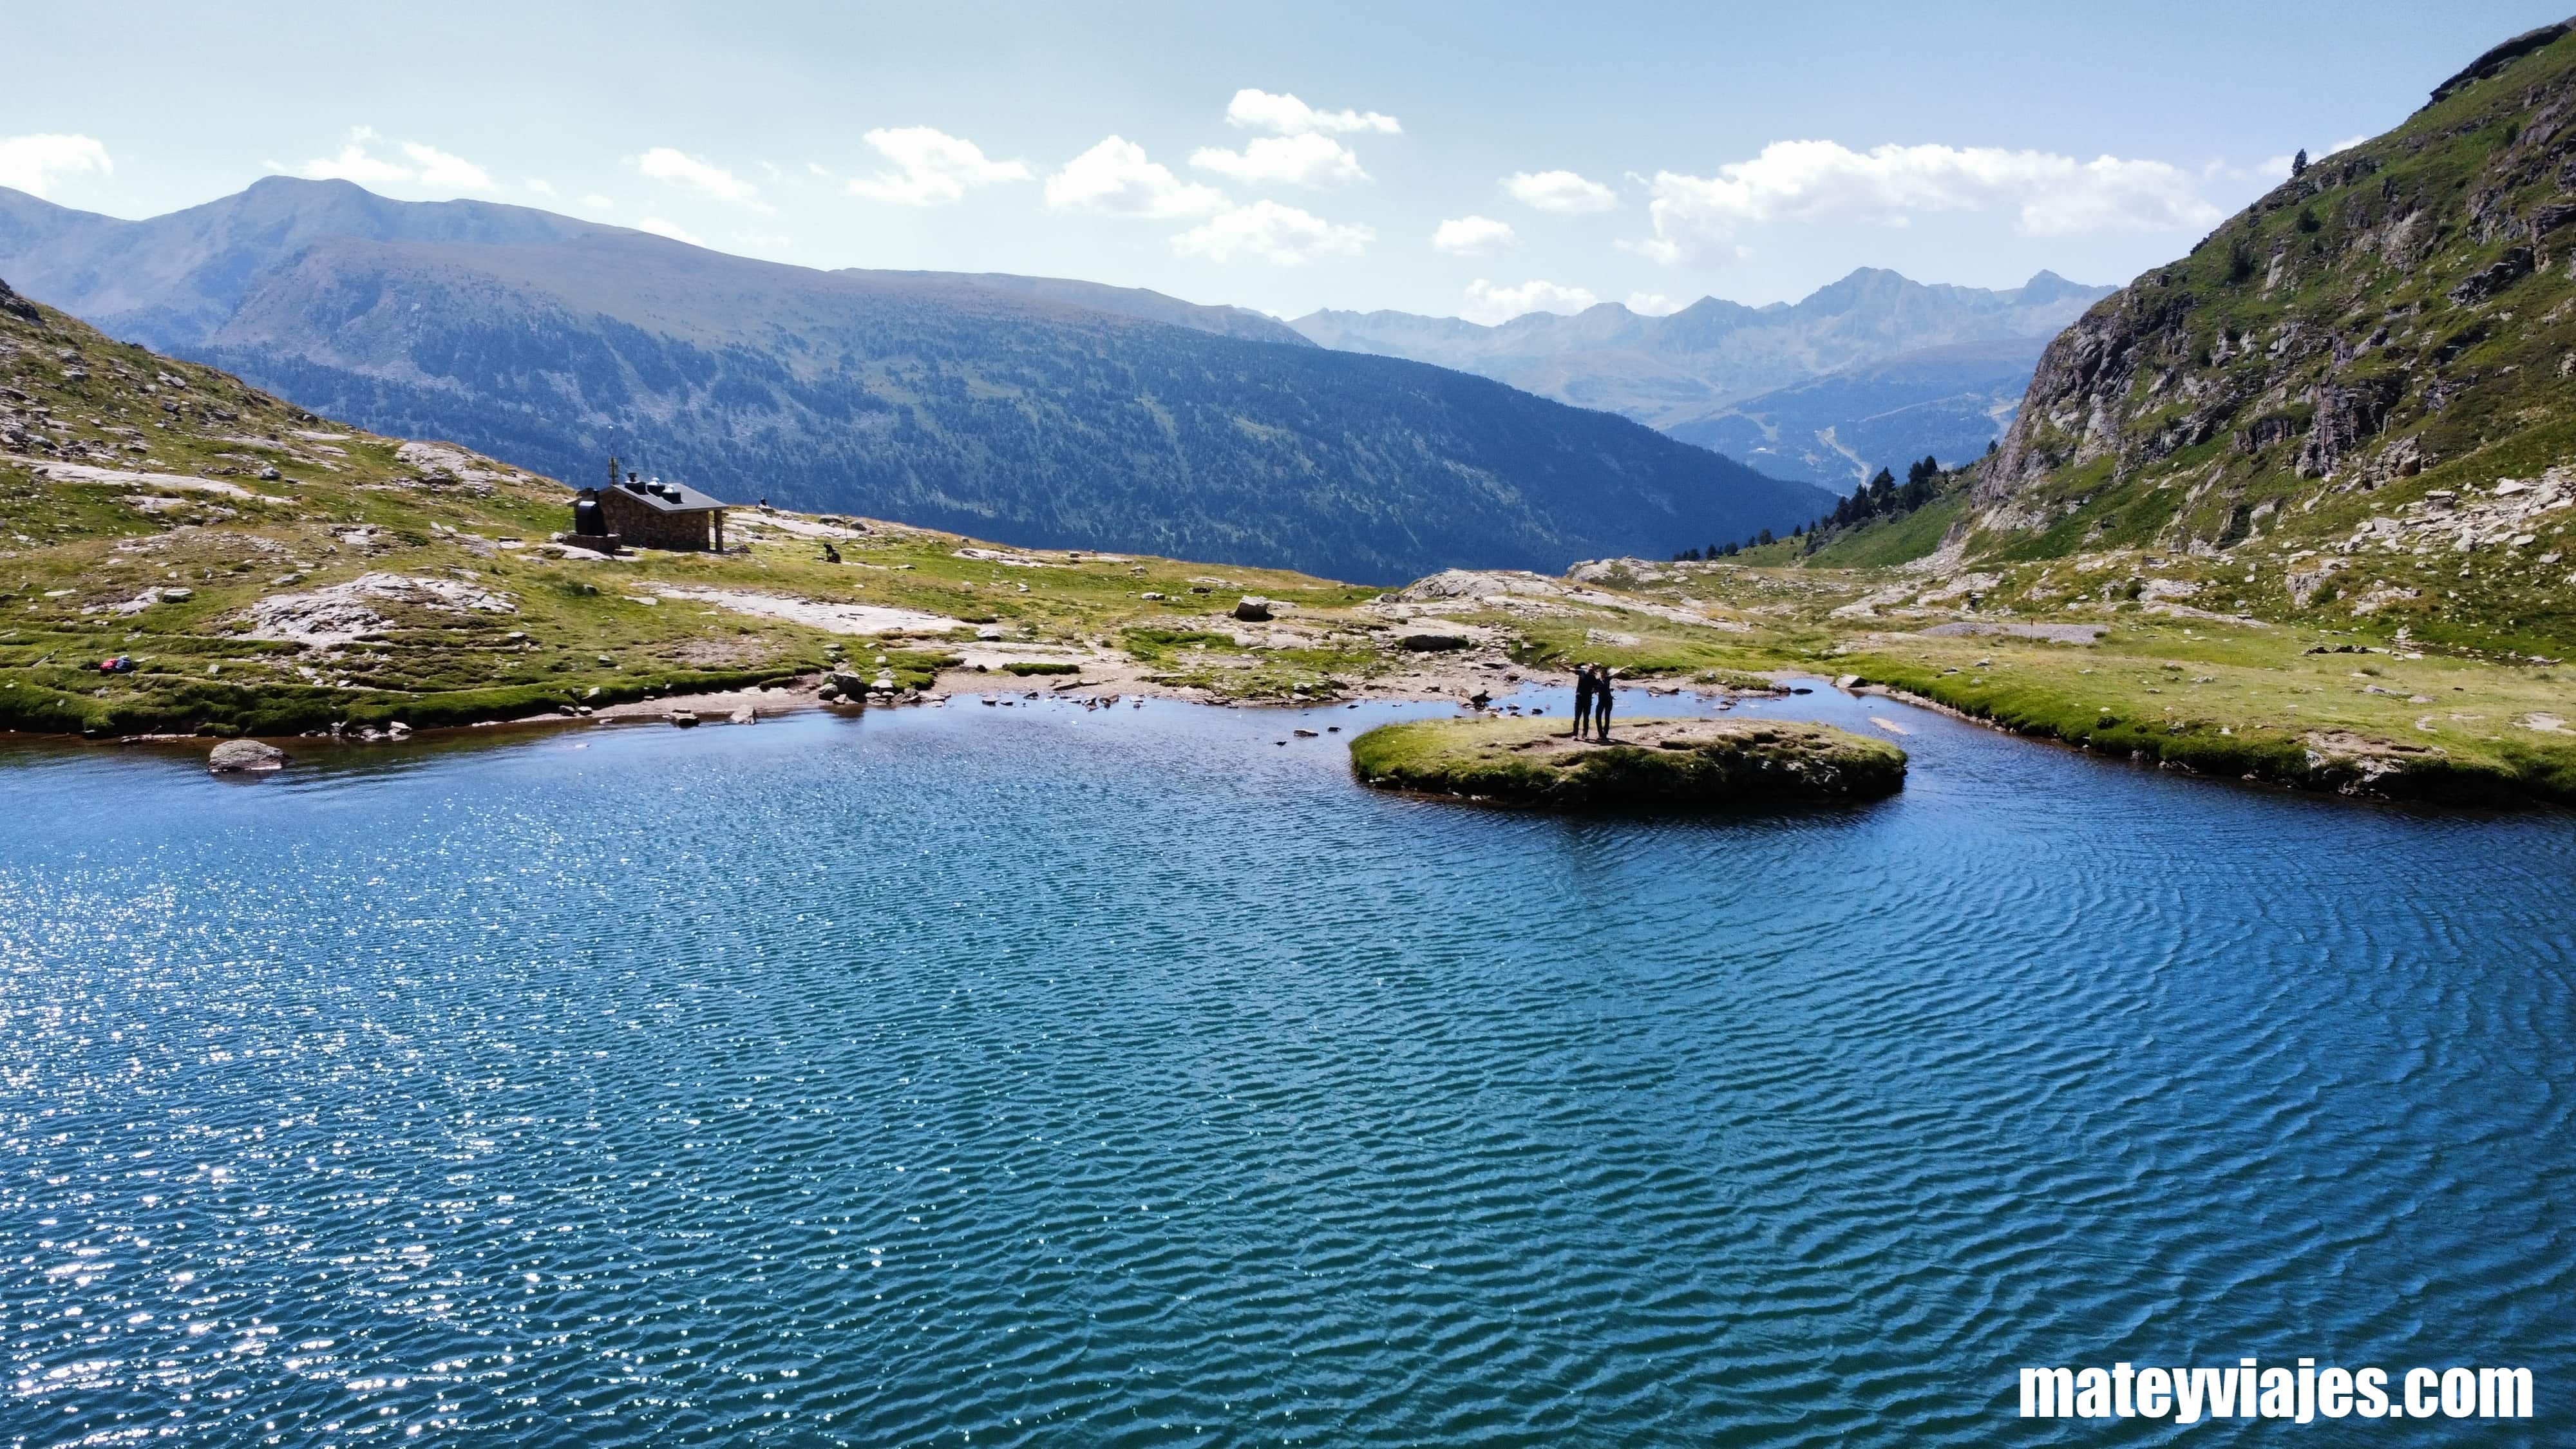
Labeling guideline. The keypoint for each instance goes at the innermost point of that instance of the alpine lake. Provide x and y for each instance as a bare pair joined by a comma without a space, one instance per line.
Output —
1042,1075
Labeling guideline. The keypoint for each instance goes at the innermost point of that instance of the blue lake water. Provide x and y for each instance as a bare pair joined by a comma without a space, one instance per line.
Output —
1035,1076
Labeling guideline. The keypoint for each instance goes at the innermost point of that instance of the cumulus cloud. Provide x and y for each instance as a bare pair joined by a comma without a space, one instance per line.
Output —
1281,235
1473,236
1305,159
659,227
1652,304
664,163
1489,304
538,184
361,160
1560,192
596,202
437,168
1115,177
33,163
1285,115
1696,217
355,163
931,168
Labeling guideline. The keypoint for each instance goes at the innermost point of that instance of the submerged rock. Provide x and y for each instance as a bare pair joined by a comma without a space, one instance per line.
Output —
235,757
1660,765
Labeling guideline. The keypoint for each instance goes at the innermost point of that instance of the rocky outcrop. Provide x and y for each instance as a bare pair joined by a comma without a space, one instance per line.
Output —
2347,415
344,613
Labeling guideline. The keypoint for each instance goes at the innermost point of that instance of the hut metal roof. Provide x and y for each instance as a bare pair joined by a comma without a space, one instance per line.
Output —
689,501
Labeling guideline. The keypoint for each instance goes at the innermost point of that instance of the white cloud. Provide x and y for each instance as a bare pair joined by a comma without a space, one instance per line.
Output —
1489,304
596,202
1281,235
1696,217
1288,116
659,227
1115,177
437,168
1473,236
355,163
1652,304
1305,159
33,163
931,168
359,161
1560,192
538,185
663,163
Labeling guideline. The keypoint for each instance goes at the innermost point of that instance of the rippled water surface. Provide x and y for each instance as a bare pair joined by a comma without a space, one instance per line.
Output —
1039,1077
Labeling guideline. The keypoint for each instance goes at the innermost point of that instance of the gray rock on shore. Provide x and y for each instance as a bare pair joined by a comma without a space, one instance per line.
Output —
236,757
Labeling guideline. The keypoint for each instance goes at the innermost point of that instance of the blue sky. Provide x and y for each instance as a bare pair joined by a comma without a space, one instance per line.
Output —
1452,159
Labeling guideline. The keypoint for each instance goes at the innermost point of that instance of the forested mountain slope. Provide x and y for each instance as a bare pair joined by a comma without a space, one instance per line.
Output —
1038,412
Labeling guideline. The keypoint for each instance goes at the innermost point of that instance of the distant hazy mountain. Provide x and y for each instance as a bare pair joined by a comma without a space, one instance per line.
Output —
1691,373
1046,412
1949,402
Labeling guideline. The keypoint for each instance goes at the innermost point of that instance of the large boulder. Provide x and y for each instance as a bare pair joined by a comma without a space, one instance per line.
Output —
236,757
1252,609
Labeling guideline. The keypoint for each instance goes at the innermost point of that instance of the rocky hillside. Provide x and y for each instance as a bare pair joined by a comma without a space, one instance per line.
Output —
2354,403
1042,413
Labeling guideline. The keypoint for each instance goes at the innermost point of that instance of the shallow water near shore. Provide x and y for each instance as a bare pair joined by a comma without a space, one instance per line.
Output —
1042,1076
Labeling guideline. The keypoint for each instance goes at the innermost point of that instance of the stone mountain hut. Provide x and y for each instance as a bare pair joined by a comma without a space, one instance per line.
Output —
637,512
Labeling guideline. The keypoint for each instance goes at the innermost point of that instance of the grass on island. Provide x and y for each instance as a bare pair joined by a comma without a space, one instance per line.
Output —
1648,764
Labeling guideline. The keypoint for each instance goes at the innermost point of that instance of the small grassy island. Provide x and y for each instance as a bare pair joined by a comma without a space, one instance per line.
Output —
1650,764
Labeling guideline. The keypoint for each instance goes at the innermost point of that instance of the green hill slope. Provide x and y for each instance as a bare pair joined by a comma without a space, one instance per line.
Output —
2352,405
268,571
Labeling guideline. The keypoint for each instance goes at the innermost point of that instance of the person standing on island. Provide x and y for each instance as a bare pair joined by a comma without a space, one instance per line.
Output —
1601,702
1582,698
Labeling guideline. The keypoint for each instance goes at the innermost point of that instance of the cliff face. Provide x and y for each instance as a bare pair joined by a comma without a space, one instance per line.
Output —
2400,314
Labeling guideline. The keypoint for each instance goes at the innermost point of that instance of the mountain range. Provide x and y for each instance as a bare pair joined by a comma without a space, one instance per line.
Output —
1037,411
1873,370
